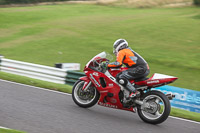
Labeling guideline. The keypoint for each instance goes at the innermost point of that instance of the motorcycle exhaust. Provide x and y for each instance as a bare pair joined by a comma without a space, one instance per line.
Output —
170,96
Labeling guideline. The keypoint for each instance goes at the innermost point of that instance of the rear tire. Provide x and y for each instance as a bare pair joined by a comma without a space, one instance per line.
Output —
84,99
166,107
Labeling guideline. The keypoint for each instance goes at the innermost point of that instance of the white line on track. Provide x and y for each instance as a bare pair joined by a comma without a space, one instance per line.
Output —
184,119
70,95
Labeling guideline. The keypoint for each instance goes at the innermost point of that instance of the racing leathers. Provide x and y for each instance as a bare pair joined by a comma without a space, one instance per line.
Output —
138,67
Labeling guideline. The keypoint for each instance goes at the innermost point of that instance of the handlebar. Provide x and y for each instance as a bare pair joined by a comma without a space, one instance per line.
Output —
100,67
94,68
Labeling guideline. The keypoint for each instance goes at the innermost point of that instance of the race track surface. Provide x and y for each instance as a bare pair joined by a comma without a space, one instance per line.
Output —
36,110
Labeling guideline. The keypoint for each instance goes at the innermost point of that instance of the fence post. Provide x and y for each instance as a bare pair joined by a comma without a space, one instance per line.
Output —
1,56
73,76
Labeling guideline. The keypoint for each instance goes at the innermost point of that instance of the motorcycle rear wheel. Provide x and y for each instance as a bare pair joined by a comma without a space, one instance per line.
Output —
160,107
82,98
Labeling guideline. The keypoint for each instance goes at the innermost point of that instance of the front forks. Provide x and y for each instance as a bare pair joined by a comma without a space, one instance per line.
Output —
86,85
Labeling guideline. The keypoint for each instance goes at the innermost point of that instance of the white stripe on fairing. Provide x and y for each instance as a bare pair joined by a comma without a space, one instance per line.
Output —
70,95
161,76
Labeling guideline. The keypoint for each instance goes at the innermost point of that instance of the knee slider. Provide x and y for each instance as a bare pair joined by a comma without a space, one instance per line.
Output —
122,81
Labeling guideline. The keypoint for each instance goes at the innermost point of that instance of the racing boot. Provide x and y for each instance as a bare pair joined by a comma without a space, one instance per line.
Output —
132,89
133,95
130,100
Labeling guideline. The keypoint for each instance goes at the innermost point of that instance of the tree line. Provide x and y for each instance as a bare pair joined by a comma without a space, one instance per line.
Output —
2,2
197,2
5,2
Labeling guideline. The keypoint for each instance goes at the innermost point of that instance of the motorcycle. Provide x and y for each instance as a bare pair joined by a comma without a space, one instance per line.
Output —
100,85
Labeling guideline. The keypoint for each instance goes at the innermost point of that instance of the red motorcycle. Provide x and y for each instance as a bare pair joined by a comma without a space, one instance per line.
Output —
100,85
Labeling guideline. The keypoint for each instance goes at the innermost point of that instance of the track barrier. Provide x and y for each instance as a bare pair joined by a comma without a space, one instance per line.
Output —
31,70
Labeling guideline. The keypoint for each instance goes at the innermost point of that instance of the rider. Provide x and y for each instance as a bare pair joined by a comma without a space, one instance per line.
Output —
137,66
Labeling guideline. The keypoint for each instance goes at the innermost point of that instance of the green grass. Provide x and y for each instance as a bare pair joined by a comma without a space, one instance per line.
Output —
169,39
10,131
185,114
35,82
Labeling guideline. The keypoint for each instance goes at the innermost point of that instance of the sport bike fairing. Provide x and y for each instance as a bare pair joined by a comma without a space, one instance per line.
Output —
106,84
100,86
157,80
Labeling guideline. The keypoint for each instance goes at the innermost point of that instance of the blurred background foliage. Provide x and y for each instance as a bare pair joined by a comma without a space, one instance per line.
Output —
26,1
134,2
197,2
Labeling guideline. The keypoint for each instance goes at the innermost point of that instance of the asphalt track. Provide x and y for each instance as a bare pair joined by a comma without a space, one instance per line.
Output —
36,110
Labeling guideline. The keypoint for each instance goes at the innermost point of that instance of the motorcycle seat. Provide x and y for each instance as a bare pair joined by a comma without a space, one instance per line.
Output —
141,79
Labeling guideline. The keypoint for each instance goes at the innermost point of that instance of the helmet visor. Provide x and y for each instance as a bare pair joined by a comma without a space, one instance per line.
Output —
114,51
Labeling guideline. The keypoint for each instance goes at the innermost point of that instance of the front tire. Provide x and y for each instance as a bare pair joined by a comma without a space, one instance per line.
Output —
159,109
82,98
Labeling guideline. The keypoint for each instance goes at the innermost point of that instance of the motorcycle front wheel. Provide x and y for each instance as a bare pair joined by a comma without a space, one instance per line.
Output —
158,108
83,98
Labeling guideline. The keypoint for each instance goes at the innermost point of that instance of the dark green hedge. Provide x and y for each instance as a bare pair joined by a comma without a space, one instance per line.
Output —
26,1
197,2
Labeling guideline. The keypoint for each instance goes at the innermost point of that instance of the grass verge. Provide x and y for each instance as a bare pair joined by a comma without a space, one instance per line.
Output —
35,82
185,114
10,131
68,89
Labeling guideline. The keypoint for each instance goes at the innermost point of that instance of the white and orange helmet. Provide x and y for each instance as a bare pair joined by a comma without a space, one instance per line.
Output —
119,44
